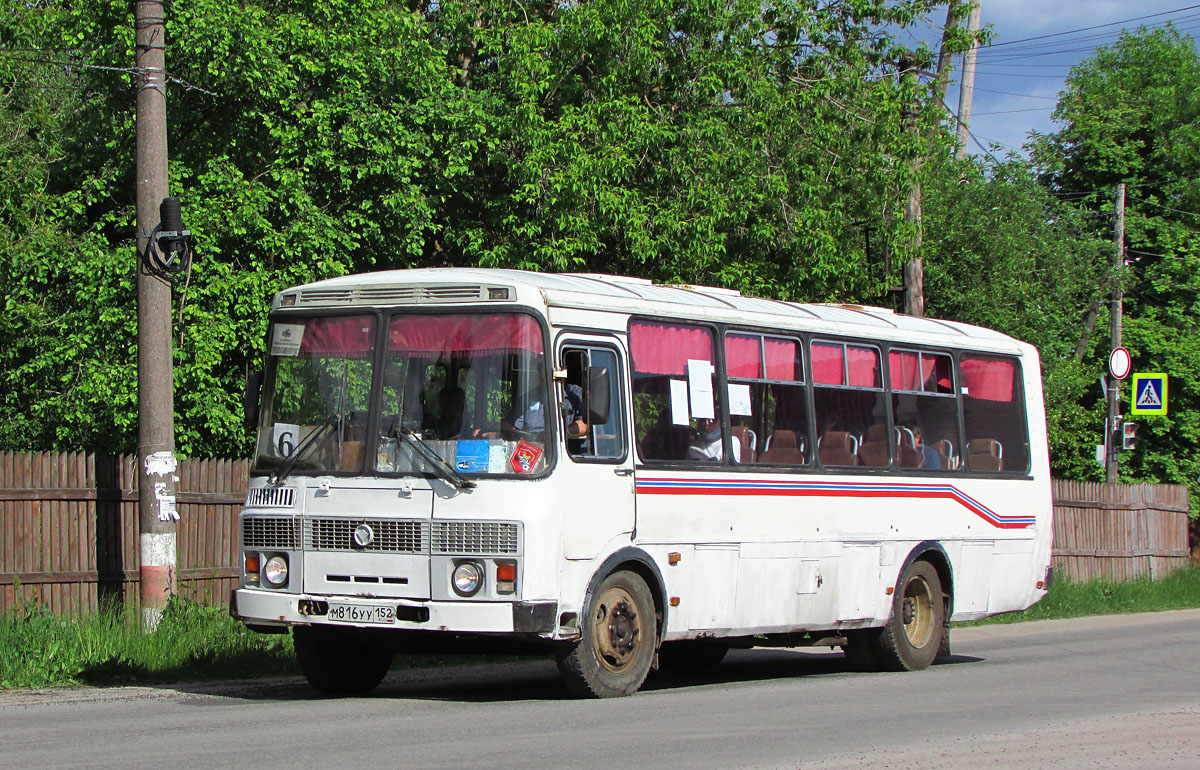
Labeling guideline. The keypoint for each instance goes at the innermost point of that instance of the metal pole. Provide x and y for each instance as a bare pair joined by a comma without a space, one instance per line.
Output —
156,398
1113,423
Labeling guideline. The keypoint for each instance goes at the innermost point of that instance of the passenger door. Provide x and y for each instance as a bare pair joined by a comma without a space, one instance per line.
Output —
597,469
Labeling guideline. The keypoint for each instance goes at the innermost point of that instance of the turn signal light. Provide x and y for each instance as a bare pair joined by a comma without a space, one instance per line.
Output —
506,578
252,566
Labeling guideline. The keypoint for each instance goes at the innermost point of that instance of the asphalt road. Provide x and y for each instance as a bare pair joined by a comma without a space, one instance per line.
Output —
1116,692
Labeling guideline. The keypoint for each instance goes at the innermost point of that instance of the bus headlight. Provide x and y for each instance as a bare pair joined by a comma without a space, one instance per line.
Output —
467,578
276,571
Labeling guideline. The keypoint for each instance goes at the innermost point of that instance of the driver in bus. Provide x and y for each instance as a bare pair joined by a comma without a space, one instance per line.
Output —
532,419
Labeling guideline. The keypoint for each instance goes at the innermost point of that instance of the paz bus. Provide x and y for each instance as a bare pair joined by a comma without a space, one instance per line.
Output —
627,475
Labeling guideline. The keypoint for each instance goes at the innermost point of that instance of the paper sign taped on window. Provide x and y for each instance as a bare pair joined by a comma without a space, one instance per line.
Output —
286,339
679,403
739,399
700,387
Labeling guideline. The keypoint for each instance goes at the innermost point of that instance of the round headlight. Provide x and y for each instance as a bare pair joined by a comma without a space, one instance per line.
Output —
275,571
467,578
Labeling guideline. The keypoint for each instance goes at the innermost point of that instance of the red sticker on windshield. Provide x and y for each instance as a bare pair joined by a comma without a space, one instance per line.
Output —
525,456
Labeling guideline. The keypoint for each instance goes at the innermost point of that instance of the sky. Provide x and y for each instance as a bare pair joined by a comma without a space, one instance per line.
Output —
1017,79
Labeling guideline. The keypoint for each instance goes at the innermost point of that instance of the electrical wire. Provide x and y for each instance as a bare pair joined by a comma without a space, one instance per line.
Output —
1086,29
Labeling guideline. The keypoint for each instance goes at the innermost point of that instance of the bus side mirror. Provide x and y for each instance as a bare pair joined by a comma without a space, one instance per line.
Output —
598,390
250,398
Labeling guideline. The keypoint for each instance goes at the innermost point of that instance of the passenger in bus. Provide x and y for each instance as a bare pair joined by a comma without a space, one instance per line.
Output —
707,444
930,459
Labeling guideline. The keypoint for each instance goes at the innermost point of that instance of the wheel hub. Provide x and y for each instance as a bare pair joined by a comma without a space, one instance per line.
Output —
618,628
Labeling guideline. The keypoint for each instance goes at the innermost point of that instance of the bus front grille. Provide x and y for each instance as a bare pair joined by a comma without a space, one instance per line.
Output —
475,537
385,535
270,532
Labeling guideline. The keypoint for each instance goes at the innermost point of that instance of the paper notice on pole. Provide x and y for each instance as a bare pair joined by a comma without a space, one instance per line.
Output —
286,339
679,403
700,387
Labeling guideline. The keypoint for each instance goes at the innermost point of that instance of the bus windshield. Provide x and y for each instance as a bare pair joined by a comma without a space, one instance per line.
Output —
458,393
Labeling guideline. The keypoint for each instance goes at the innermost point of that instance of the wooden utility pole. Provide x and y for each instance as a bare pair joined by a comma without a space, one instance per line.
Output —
966,88
156,396
914,268
1113,423
942,78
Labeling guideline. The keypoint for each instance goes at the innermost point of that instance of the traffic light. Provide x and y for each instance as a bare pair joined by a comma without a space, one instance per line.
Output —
1129,437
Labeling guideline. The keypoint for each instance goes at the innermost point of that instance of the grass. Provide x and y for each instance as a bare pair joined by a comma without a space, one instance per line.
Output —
192,641
1178,591
197,642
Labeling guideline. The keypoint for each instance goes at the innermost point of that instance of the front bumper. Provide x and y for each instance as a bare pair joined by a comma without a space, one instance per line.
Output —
261,608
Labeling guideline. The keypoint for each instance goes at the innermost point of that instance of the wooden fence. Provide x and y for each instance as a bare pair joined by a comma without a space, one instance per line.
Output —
1119,532
69,529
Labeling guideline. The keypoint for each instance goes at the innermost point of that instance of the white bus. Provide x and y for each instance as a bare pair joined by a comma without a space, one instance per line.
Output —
622,474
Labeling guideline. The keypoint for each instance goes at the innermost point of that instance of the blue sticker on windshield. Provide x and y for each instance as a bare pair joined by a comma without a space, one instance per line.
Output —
472,456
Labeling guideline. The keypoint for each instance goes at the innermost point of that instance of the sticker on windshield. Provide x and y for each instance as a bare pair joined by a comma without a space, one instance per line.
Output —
525,456
286,339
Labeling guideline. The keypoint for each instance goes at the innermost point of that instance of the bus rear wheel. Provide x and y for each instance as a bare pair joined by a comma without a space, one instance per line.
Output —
616,645
340,661
912,637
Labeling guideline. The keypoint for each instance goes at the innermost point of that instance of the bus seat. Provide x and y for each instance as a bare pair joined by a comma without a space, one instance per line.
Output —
910,456
784,449
874,449
746,437
985,454
945,451
838,447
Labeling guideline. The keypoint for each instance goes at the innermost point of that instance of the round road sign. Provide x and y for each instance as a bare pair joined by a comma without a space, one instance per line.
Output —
1120,363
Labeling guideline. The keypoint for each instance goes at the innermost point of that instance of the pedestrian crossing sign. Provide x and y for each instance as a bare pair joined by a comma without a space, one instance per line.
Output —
1149,393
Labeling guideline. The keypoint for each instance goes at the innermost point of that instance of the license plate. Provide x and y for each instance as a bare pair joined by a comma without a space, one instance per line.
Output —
361,613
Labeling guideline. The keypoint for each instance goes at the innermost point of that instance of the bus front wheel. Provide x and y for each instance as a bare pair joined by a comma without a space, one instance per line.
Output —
912,637
616,645
340,661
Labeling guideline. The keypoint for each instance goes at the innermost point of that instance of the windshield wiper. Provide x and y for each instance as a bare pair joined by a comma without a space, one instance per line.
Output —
308,442
440,466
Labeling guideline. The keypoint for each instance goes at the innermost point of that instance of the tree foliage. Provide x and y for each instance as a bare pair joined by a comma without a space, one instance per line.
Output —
763,146
747,144
1131,114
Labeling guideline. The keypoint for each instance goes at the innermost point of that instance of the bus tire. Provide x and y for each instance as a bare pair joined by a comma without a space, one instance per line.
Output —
913,635
862,649
616,646
340,661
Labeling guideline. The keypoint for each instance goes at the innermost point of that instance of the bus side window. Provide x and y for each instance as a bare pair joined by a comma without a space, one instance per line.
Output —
993,414
591,404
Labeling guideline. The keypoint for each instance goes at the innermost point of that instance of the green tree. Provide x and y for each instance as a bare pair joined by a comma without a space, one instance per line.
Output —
750,144
1131,114
1004,253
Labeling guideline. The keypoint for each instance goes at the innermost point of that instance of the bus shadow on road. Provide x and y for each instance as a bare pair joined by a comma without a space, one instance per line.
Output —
538,680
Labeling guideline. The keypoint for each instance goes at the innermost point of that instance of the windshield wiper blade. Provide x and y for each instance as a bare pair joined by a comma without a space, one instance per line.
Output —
304,446
440,466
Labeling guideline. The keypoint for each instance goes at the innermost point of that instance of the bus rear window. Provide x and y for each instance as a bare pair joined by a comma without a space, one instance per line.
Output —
994,414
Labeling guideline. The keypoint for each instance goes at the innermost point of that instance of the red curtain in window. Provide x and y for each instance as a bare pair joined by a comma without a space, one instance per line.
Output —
341,336
988,378
827,363
465,333
783,361
943,381
902,370
743,356
665,348
864,367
